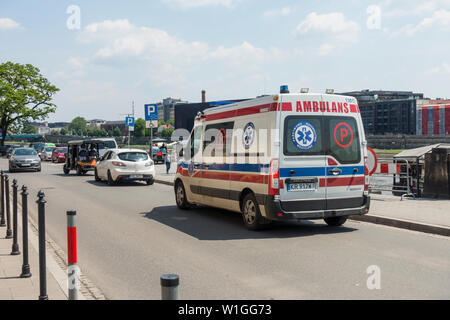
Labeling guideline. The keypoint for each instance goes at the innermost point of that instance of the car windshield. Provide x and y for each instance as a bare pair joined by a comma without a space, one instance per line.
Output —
107,145
133,156
49,149
25,152
62,150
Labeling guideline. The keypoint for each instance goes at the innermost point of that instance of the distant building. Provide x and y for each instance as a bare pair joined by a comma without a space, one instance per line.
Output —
95,123
111,125
185,113
166,109
433,117
387,112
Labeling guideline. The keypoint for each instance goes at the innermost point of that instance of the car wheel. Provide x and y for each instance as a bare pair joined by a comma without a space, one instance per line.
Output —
110,179
335,221
180,196
79,171
97,178
66,170
38,170
10,169
251,214
150,182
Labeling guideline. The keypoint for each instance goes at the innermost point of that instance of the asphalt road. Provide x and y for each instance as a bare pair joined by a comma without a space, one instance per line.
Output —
129,235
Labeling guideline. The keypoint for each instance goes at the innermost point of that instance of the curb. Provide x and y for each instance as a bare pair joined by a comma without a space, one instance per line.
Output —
403,224
167,183
390,222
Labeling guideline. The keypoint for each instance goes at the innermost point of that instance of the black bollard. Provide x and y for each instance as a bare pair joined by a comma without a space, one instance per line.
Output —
25,265
15,246
42,261
2,218
169,286
8,215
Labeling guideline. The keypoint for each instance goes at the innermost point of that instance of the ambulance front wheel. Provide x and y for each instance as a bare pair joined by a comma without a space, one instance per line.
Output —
180,196
251,214
335,221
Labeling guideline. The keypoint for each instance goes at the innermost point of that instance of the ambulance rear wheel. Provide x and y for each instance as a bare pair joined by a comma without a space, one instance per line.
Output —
335,221
180,196
251,214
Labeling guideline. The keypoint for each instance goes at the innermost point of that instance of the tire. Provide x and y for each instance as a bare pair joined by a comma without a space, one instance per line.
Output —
110,179
180,196
97,178
335,221
79,171
150,182
66,170
251,214
11,170
38,170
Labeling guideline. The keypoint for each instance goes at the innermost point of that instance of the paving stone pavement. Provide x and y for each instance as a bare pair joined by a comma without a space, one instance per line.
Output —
12,287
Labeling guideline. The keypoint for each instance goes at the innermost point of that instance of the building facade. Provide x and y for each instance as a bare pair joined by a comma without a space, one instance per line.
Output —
387,112
433,117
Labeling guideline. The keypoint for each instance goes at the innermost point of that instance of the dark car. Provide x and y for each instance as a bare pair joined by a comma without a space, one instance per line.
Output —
4,150
11,148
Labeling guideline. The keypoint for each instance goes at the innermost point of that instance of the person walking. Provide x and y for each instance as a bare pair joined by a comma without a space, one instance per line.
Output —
168,160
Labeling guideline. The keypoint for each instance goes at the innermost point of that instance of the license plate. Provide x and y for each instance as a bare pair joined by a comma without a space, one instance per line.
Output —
136,176
25,164
302,186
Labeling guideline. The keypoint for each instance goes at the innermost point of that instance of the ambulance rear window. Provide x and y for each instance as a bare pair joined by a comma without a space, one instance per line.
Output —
344,140
303,136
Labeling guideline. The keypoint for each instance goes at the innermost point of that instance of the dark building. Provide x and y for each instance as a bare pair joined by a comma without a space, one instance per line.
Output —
185,113
111,125
387,112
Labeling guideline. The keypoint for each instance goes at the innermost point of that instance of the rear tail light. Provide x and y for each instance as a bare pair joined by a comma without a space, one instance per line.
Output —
331,162
366,177
274,178
118,164
149,164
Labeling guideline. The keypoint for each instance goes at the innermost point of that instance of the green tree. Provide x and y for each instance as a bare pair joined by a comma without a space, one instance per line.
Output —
25,95
167,133
139,128
171,122
117,132
78,125
63,132
111,133
29,129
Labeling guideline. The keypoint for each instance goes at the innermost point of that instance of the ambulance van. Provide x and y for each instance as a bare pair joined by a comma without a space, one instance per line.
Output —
285,157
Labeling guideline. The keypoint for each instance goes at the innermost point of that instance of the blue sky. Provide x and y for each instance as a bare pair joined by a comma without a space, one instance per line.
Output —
149,50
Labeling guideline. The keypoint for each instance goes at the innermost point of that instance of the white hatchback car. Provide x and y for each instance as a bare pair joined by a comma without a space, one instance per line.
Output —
119,165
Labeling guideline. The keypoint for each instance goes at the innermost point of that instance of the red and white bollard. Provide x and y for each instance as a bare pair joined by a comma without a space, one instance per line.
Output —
73,272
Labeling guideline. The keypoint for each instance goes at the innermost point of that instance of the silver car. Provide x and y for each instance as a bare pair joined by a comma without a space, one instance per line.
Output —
46,153
24,159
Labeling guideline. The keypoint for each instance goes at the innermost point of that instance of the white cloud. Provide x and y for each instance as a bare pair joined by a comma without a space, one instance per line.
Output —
8,24
397,9
443,69
198,3
168,59
334,27
277,12
440,18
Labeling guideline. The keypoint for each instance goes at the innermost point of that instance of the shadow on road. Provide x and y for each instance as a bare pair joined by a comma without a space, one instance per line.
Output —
121,184
205,223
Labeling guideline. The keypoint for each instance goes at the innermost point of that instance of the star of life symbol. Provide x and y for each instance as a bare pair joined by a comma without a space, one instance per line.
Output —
249,135
304,136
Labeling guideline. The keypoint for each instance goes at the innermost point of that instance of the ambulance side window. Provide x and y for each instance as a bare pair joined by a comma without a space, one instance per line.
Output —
216,137
196,140
344,140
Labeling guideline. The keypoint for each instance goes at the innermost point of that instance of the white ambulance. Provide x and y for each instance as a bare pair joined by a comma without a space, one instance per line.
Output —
285,157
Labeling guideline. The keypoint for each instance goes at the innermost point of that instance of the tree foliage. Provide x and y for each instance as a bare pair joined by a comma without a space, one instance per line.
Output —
78,125
25,95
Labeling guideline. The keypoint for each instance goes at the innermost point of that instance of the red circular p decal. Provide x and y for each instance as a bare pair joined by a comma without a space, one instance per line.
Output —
343,135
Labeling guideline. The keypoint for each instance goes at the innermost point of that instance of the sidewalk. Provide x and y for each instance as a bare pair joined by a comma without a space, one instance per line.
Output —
12,287
424,215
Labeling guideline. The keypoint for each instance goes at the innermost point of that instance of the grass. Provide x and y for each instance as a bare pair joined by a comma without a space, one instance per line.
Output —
391,151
